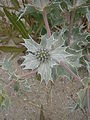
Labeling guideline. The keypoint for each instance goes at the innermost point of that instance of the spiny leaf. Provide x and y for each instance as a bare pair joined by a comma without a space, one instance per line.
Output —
54,15
74,60
59,71
77,38
30,10
27,10
7,65
18,24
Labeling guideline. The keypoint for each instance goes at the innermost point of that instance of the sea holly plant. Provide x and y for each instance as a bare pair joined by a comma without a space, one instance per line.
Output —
62,47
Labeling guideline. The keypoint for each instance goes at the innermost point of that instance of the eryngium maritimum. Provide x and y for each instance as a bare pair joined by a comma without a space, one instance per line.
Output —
43,56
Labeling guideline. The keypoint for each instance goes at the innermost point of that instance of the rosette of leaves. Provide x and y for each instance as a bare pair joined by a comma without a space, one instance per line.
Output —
44,56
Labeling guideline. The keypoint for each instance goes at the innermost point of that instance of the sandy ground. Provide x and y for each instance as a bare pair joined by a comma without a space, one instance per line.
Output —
27,106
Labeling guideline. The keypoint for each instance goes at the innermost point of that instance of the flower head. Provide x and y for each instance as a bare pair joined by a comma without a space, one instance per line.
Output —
43,56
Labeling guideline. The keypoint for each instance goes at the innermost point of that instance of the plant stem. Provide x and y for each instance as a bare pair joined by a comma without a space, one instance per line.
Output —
72,14
45,19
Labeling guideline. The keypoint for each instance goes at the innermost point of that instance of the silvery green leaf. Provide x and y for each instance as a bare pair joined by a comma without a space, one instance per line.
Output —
74,59
31,45
58,70
55,40
50,42
36,5
59,36
53,62
45,71
59,42
29,9
59,54
79,36
43,40
82,99
7,65
30,62
76,38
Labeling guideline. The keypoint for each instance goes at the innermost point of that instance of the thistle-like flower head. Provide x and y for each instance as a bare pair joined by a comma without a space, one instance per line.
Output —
43,56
